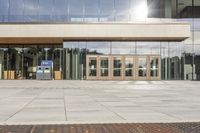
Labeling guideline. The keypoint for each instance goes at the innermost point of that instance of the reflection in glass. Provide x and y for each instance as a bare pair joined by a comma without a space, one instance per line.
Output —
60,11
45,10
123,47
154,66
91,10
92,67
98,47
174,60
122,10
129,67
106,8
16,10
104,66
15,63
76,10
4,64
142,67
117,65
30,10
30,62
164,60
57,62
148,48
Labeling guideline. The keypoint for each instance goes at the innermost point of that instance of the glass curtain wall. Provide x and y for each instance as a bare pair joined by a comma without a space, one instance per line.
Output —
69,59
171,53
150,48
20,61
188,11
182,11
30,61
69,10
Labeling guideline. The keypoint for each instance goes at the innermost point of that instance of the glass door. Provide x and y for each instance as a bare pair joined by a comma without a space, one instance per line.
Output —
142,68
92,67
2,55
104,67
129,63
154,68
117,68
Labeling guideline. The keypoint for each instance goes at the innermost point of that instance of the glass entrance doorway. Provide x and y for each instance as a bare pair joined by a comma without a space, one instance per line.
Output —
144,67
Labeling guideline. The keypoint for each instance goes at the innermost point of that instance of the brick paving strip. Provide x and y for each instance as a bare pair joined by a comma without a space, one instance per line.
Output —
105,128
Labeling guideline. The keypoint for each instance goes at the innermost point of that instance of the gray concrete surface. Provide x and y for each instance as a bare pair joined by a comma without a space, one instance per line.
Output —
56,102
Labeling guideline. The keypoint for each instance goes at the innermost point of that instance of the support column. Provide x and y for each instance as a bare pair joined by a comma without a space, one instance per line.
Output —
1,63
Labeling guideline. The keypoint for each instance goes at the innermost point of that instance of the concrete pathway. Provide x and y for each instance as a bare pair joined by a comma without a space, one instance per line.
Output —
60,102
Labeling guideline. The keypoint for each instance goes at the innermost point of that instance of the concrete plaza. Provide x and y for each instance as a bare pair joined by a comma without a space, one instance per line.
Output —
63,102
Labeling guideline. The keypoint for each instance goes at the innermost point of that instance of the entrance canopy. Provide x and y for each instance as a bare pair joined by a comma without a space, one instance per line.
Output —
57,33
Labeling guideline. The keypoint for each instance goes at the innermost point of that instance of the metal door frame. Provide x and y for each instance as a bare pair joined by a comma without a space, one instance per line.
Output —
159,68
133,77
87,67
123,58
137,69
112,67
99,68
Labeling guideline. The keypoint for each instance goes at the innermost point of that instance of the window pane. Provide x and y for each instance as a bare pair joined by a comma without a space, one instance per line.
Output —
4,5
30,7
142,67
16,10
30,10
91,7
122,17
117,65
60,10
76,10
106,10
122,10
185,8
104,62
98,47
122,6
129,66
154,63
16,7
123,47
138,9
70,45
92,67
148,48
45,9
60,7
106,6
91,10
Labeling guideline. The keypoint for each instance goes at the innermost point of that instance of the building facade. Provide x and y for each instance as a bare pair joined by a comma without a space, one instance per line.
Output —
101,39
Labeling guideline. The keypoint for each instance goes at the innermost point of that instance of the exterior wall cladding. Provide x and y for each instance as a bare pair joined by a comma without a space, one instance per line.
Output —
179,60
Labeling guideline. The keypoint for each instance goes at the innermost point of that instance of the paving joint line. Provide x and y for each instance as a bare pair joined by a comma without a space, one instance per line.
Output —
6,120
64,104
108,108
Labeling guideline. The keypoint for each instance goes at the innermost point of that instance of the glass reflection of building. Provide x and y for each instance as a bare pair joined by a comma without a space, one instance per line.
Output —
179,60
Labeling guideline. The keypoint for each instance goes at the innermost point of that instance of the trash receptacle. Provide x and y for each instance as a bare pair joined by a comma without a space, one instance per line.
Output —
40,73
47,73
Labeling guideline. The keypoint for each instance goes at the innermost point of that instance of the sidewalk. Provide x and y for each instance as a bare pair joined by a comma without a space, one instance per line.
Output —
75,102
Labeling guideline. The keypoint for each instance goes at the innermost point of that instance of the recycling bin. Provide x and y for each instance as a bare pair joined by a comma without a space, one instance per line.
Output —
47,73
40,73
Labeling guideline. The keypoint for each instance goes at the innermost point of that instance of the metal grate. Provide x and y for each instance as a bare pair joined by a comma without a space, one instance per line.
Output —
105,128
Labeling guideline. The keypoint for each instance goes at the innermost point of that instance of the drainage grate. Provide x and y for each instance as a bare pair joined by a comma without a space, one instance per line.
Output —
105,128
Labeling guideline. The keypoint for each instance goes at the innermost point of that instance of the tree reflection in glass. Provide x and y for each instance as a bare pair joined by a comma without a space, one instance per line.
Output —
142,67
117,66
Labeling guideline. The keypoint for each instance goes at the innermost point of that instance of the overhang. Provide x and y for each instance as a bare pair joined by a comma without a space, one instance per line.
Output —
57,33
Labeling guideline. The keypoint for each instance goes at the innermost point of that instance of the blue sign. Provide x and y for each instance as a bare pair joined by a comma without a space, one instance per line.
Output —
47,63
